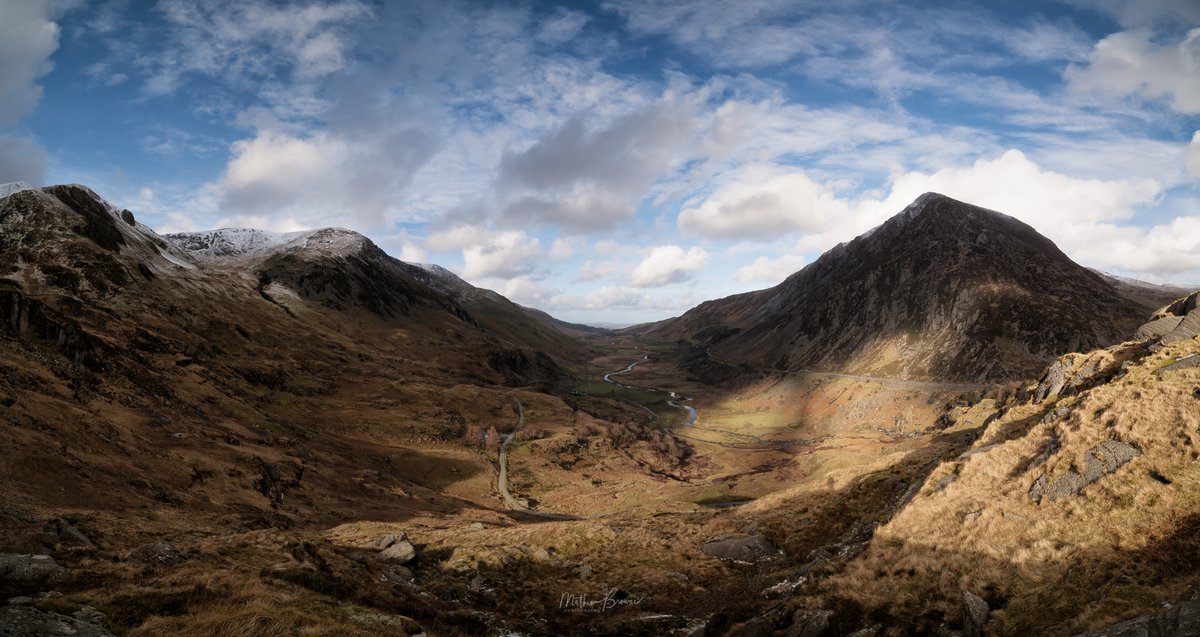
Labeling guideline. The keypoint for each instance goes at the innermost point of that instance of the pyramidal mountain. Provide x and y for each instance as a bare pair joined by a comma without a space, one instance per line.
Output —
944,290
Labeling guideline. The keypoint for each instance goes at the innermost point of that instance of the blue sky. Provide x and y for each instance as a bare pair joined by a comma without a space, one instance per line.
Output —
618,161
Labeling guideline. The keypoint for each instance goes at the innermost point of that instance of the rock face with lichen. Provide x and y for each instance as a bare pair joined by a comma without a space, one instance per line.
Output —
944,290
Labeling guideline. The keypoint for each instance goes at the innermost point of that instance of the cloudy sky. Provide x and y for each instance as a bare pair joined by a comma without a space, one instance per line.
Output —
621,160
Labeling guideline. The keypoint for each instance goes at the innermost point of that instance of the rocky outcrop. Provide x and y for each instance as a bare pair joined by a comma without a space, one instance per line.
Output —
1180,620
746,549
21,620
1099,461
1074,373
1177,322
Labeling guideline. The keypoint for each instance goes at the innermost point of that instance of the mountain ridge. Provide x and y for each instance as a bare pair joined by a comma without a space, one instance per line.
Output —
943,290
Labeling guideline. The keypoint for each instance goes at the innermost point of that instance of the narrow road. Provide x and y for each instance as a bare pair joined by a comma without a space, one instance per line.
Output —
513,503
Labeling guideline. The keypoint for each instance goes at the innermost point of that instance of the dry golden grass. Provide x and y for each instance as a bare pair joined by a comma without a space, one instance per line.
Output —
1055,567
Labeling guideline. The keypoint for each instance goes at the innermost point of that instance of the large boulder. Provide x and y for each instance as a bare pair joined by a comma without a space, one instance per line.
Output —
397,551
159,553
975,614
59,531
746,549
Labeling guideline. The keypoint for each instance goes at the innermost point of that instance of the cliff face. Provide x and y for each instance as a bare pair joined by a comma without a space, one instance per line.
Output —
944,290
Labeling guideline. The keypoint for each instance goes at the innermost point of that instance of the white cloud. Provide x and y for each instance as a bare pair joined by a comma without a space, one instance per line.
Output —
768,270
1133,63
251,39
764,201
28,36
563,248
668,264
504,255
1193,156
583,178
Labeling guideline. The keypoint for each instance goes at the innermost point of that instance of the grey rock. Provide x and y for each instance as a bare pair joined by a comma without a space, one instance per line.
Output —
89,614
944,482
750,548
27,621
1158,328
1054,379
158,553
1187,329
399,575
971,516
391,539
401,552
809,623
20,601
1067,484
475,526
1180,620
871,631
27,568
1186,362
765,624
975,614
1099,461
59,531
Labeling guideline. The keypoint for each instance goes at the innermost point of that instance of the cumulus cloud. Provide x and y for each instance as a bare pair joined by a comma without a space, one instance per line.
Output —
764,201
1133,63
767,270
504,255
28,36
668,264
584,178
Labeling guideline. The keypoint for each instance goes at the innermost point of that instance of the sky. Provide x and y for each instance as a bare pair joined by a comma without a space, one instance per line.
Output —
618,161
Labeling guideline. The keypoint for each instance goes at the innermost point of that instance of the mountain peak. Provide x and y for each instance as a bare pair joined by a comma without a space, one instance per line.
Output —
943,290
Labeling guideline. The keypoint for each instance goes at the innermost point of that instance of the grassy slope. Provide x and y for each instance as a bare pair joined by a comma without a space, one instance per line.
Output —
1123,547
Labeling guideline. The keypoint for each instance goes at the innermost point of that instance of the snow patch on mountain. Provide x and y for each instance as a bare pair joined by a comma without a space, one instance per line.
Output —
13,187
227,243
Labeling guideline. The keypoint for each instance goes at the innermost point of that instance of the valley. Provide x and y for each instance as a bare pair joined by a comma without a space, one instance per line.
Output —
238,432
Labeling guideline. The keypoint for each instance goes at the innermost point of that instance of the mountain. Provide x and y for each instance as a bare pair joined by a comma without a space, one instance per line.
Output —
943,290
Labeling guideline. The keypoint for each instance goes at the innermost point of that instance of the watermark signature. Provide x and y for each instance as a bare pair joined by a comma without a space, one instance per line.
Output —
584,603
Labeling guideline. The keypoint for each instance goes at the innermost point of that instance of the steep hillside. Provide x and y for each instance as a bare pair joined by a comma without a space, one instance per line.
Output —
944,290
1075,510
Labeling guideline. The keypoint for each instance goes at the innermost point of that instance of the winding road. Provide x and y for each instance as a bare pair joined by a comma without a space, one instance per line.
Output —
512,502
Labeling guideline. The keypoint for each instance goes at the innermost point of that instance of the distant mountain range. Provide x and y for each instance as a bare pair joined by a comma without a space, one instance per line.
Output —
944,290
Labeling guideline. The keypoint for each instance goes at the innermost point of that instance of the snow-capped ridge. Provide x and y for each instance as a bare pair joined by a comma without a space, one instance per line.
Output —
14,187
